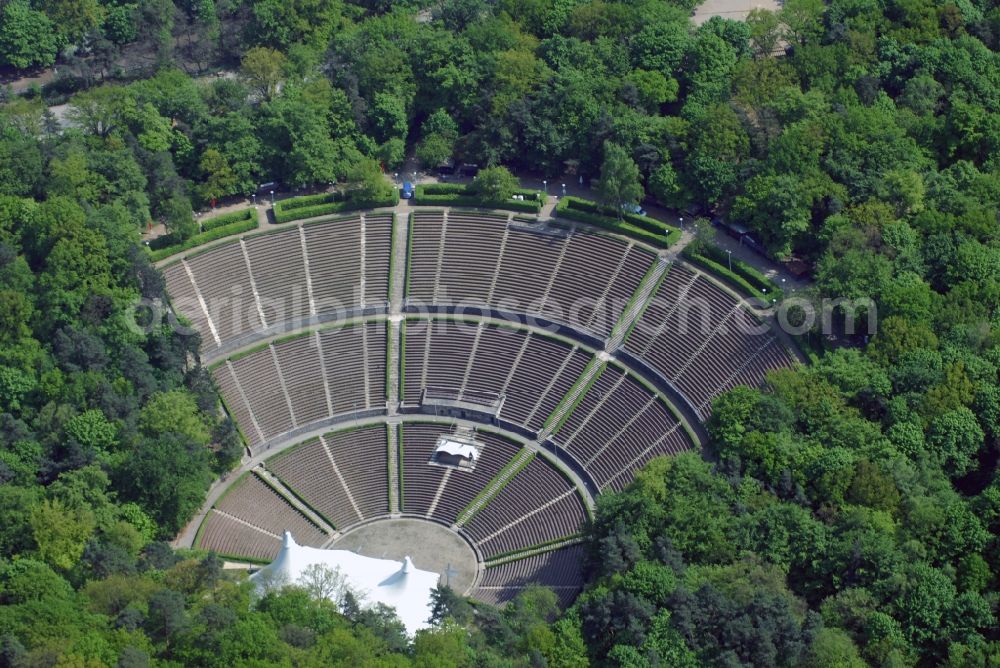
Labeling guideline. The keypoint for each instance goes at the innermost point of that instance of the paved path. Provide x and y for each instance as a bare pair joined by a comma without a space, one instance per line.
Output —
772,270
548,209
736,10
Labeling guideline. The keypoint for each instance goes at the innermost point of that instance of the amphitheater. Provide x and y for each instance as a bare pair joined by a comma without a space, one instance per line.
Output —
349,349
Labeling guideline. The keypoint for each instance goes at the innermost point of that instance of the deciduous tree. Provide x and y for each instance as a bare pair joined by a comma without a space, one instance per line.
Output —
619,184
27,37
495,184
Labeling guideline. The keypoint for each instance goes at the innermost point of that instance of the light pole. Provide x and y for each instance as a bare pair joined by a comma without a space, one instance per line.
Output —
254,196
682,223
564,189
395,177
545,186
730,254
272,199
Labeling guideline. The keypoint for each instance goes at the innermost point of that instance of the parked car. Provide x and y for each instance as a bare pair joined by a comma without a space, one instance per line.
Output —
754,244
407,191
735,230
633,208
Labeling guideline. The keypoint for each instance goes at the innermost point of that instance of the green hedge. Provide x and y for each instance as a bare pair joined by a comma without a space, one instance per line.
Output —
214,234
742,276
168,240
402,353
749,273
646,229
443,188
225,219
310,206
642,222
456,194
308,200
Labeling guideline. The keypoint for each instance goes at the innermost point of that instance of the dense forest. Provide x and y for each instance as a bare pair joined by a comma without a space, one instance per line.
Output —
846,515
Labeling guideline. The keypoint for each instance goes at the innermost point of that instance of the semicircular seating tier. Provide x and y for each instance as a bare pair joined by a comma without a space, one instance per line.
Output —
341,475
514,506
619,424
694,335
266,283
476,362
535,505
248,522
465,259
557,569
277,390
703,340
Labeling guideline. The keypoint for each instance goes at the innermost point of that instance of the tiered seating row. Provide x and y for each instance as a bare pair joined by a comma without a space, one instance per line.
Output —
489,360
378,256
358,455
222,277
699,337
729,347
229,536
524,514
615,422
353,359
279,273
261,518
596,279
362,456
469,260
421,481
560,569
459,259
337,257
426,229
771,357
185,302
334,252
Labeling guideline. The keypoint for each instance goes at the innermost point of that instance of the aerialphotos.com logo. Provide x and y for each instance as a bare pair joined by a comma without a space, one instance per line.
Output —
256,316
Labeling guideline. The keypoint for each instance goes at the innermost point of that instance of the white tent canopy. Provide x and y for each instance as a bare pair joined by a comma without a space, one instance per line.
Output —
397,584
457,448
